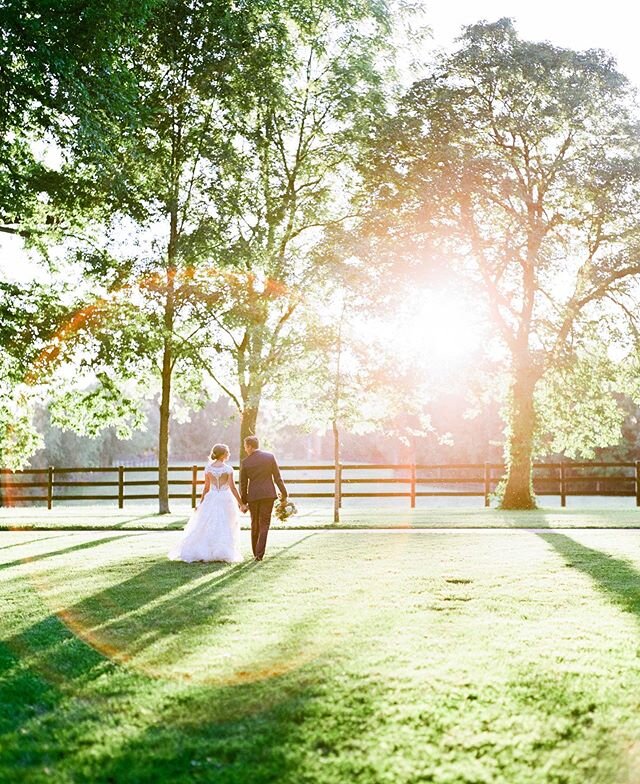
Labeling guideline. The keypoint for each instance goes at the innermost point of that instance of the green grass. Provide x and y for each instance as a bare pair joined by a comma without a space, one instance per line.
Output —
309,516
360,656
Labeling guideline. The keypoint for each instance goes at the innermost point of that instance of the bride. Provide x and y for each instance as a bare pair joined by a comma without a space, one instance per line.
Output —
213,530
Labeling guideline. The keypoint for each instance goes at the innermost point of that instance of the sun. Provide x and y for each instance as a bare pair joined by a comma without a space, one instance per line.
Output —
440,327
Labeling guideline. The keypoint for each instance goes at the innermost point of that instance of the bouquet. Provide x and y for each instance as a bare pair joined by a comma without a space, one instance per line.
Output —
284,509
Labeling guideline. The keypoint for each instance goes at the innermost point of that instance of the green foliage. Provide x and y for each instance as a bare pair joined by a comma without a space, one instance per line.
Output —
577,408
144,167
357,382
64,447
30,317
59,62
221,139
88,412
287,182
19,438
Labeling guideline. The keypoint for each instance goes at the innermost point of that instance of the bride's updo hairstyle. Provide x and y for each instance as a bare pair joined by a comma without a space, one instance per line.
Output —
219,451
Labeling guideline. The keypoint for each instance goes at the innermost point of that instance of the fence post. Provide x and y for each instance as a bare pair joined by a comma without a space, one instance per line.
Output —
413,485
194,485
120,487
50,487
487,485
337,492
637,482
563,489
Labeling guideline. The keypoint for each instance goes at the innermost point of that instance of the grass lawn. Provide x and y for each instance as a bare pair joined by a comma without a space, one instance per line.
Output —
356,656
309,516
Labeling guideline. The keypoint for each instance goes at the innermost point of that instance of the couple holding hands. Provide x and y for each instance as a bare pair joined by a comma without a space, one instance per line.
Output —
213,530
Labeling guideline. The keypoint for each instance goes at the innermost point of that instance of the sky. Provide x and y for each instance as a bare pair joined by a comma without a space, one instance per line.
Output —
613,25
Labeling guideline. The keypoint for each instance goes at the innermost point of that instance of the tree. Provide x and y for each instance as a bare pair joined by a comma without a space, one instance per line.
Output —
354,381
521,161
360,385
57,63
152,166
289,180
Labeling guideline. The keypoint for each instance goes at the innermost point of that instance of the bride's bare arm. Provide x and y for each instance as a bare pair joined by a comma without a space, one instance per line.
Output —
207,486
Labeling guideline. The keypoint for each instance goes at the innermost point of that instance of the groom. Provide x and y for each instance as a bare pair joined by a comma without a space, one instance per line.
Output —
258,472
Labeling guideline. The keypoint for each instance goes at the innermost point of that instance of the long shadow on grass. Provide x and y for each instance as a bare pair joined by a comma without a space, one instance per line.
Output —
54,660
140,624
160,523
60,654
288,725
131,520
148,596
119,621
63,551
32,541
618,579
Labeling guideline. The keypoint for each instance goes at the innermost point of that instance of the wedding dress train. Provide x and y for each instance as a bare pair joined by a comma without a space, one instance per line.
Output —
213,530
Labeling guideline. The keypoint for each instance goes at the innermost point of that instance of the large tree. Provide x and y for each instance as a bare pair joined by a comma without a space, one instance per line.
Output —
287,184
153,170
520,161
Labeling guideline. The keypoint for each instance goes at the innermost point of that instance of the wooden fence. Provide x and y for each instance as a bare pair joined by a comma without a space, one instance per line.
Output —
120,483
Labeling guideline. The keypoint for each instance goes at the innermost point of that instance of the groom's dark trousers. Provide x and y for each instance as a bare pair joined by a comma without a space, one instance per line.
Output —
259,475
260,512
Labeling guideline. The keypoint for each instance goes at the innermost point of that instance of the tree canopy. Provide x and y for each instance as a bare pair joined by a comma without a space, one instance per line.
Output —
521,162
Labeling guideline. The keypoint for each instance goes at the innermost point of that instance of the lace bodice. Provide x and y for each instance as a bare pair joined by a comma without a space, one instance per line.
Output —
220,474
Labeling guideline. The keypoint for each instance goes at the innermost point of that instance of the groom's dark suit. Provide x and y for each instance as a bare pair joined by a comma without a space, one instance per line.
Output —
258,473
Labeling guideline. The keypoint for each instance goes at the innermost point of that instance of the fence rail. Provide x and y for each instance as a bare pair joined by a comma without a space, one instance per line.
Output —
347,480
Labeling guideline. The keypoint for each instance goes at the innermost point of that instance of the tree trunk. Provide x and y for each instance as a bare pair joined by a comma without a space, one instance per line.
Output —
337,489
163,431
108,447
518,492
248,422
167,369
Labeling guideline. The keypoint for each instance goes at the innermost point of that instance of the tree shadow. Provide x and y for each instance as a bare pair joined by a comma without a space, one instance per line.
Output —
259,730
137,615
263,730
130,520
62,551
62,655
32,541
617,578
94,635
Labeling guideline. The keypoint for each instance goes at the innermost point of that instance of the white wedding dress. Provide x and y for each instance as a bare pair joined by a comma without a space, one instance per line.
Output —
213,530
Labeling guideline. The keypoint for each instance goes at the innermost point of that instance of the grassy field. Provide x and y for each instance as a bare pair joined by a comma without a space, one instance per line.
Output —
309,516
359,656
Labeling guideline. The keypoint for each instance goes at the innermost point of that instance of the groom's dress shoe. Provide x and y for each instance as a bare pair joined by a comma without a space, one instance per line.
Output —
257,559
